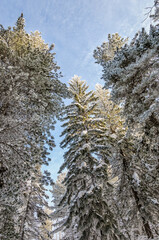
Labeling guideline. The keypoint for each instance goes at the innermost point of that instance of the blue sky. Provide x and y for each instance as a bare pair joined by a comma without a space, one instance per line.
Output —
76,27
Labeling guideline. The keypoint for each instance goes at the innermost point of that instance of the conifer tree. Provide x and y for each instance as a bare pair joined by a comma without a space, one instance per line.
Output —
133,77
89,216
31,97
59,214
33,215
107,50
111,132
107,145
111,145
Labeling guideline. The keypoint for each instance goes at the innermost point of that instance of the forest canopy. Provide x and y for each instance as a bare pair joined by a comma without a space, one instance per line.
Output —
108,183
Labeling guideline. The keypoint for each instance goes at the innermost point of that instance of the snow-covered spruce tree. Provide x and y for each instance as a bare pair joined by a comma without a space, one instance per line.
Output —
107,145
33,215
59,214
89,216
111,144
107,50
133,77
106,142
110,112
31,96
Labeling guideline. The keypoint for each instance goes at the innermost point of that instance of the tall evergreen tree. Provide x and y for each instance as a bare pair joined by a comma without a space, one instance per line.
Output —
108,148
33,215
118,153
133,77
89,216
59,214
31,97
